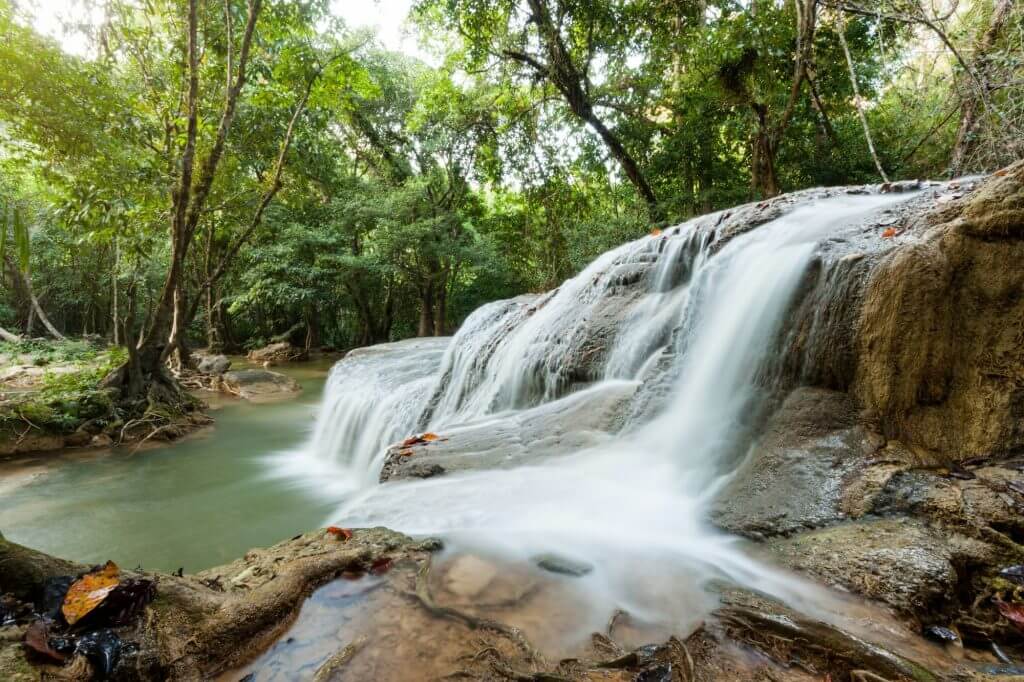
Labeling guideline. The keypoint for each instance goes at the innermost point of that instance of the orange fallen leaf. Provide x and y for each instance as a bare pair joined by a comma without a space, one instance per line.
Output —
340,533
889,233
1000,173
656,232
89,591
429,437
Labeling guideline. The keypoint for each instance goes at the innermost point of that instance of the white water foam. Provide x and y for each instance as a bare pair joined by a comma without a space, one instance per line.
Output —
633,508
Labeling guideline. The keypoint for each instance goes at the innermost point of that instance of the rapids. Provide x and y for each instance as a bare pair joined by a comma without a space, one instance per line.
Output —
630,504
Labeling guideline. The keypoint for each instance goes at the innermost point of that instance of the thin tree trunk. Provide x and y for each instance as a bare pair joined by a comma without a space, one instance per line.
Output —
966,140
426,326
856,98
8,336
27,284
115,303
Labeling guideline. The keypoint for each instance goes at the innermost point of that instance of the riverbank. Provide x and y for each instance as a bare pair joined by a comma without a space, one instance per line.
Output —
142,506
51,397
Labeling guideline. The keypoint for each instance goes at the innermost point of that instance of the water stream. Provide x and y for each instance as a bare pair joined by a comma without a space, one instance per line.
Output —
632,509
196,503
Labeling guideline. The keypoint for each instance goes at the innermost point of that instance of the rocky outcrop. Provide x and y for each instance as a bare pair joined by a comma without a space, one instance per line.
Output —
940,346
277,353
258,384
213,364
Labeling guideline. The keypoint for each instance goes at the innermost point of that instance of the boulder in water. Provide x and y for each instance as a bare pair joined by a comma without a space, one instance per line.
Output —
276,353
214,364
257,384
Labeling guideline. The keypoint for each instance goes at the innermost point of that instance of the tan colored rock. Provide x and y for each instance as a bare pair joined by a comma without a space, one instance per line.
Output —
940,342
258,384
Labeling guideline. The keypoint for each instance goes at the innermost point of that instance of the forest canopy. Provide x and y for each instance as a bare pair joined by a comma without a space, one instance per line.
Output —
223,173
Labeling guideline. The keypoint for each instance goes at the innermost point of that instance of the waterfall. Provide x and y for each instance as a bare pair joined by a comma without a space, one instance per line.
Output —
638,499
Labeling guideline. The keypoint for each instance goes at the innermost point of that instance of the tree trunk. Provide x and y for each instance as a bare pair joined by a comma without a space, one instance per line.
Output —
763,179
426,327
441,311
312,328
856,98
114,306
970,110
27,284
8,336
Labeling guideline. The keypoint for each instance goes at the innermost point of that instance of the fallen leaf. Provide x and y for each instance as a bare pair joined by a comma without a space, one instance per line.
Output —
125,603
1013,613
89,591
656,232
420,439
406,452
37,638
340,533
889,233
381,566
1000,173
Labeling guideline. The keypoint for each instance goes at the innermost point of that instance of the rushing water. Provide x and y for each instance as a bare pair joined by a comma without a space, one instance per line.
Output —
196,503
632,509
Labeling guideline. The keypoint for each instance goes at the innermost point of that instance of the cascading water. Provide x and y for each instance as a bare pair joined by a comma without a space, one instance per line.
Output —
371,399
635,501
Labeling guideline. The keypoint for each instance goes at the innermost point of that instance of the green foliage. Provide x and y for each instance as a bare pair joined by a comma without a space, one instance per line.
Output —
411,193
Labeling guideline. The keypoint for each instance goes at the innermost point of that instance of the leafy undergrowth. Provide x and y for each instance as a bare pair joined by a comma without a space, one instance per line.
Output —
66,396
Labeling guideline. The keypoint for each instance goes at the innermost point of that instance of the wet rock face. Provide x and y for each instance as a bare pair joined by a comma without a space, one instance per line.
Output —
940,351
898,561
793,476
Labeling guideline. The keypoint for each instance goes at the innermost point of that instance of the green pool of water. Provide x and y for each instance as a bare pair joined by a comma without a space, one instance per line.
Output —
197,503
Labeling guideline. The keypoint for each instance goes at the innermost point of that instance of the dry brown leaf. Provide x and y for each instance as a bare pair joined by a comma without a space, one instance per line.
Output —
89,591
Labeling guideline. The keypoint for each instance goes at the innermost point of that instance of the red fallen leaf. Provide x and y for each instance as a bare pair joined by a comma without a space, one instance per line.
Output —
889,233
37,638
340,533
415,440
381,566
1013,613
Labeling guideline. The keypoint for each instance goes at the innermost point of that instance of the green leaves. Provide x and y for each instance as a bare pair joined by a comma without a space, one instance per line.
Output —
14,234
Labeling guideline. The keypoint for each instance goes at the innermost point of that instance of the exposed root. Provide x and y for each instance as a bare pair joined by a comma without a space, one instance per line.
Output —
336,662
814,646
613,621
422,594
866,676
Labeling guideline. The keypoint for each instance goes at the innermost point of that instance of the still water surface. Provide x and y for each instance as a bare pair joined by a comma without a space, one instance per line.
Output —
197,503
